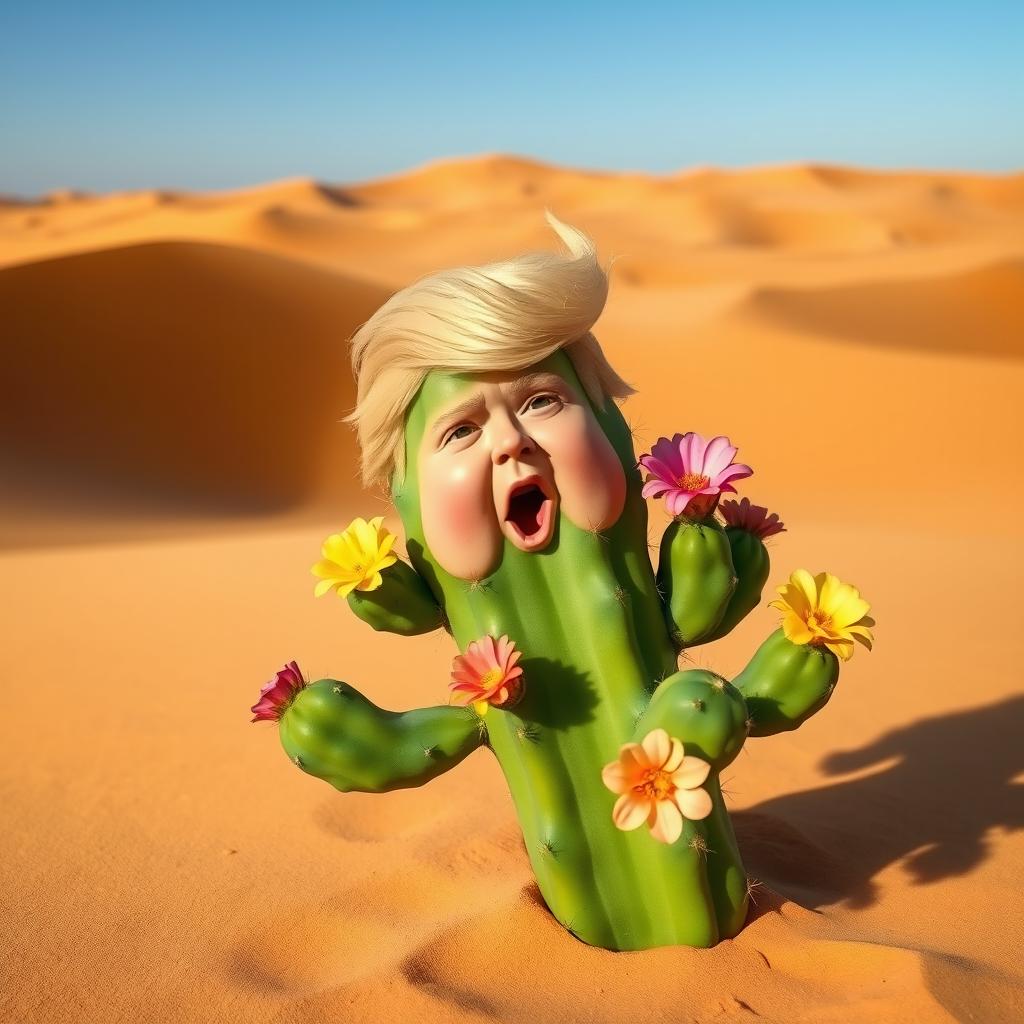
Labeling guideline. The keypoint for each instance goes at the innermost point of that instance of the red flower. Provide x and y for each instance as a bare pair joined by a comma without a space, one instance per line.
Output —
752,518
277,695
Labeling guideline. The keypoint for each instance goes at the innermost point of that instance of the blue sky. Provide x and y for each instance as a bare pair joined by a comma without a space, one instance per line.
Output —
108,96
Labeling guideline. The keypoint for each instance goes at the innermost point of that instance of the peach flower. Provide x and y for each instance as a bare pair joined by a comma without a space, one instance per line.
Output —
487,674
658,784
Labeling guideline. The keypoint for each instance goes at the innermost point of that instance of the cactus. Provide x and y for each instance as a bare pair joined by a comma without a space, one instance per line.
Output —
600,633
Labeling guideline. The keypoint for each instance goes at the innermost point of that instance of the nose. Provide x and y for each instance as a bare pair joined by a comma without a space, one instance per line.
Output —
511,443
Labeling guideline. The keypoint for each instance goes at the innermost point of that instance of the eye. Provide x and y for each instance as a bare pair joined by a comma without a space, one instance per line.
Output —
454,435
547,399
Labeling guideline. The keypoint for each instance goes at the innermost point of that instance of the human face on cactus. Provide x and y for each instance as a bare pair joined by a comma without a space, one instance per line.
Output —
355,558
487,674
691,473
502,454
821,610
657,783
277,695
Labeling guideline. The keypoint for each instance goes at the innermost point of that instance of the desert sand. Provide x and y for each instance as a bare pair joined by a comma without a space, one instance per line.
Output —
172,456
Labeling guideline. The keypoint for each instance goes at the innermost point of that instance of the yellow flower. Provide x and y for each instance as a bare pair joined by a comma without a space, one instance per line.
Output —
353,560
821,610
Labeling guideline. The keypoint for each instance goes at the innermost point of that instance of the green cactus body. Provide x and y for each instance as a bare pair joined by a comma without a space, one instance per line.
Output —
587,616
599,642
785,683
402,604
696,577
333,732
752,565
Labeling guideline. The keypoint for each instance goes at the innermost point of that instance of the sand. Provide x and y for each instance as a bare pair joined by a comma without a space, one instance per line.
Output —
172,458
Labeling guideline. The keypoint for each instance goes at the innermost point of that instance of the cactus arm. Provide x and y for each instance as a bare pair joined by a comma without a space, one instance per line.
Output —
752,564
785,683
709,715
335,733
696,578
402,604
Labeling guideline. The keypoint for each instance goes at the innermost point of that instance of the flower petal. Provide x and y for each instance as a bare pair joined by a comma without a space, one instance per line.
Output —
336,549
796,629
738,471
843,649
691,773
613,775
634,759
628,812
692,449
849,608
676,501
365,535
326,569
675,758
323,587
694,803
370,582
718,455
805,583
654,487
667,452
862,634
668,825
657,468
792,599
658,745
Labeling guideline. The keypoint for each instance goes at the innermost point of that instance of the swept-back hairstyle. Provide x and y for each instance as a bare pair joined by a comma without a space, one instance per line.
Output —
501,316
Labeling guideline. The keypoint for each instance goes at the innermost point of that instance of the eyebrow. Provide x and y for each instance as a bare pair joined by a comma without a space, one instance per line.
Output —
475,402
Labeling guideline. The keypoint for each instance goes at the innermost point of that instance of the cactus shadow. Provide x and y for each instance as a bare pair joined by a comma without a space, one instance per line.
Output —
942,786
556,694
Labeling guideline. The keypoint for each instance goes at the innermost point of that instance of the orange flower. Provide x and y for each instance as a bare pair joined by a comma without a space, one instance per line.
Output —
658,784
487,674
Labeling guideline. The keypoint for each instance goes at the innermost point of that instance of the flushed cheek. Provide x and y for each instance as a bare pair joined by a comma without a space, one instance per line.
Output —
458,517
589,476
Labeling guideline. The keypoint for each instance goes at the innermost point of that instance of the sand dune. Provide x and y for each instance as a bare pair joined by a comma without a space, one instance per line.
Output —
180,373
979,311
171,457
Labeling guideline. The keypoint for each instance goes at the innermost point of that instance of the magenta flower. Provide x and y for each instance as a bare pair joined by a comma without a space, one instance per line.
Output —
277,695
691,473
752,518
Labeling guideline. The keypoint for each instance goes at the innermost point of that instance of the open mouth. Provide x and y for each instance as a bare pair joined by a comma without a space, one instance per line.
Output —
530,514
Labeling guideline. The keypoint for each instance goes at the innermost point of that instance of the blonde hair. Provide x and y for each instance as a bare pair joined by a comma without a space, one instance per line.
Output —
501,316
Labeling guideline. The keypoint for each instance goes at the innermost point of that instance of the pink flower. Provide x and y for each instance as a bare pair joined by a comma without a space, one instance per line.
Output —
691,473
277,695
752,518
658,784
487,674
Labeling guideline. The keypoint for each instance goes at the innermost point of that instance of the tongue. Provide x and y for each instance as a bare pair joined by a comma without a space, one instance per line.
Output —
524,510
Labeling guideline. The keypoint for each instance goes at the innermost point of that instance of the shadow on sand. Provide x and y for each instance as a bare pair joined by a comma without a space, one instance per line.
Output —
942,785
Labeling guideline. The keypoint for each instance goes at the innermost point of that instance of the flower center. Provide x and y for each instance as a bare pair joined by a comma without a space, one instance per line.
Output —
656,784
693,481
490,678
820,619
